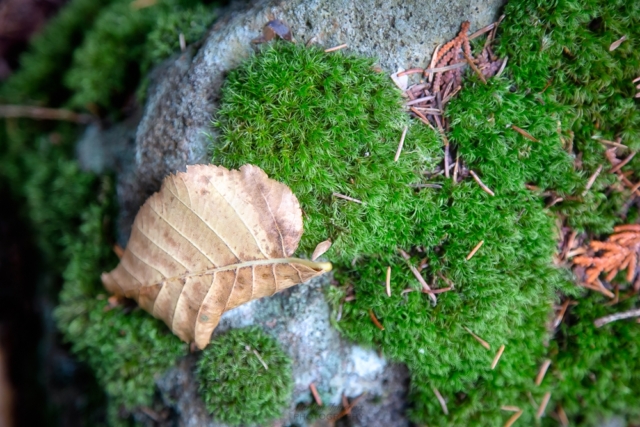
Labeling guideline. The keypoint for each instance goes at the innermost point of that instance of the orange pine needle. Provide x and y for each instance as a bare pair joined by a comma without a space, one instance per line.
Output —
375,320
474,250
315,394
496,359
513,419
477,338
524,133
543,371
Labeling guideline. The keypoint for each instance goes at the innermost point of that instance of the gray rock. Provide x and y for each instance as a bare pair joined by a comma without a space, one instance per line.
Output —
175,131
299,318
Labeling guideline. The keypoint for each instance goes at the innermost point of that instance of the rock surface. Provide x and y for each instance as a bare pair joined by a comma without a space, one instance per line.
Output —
175,131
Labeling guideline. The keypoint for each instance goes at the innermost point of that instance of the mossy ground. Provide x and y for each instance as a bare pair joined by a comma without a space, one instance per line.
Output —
71,212
288,99
245,378
328,123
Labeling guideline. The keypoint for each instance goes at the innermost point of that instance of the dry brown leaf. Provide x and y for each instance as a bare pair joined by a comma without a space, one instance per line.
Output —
210,240
320,249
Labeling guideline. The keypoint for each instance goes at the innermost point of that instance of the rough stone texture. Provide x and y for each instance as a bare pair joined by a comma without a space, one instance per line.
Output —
175,131
299,318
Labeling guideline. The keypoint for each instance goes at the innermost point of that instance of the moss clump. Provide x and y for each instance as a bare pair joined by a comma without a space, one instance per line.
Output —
562,49
123,45
235,385
326,124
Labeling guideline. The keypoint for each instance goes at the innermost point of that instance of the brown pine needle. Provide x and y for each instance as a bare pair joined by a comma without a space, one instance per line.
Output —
388,281
591,180
41,113
410,71
474,250
437,291
333,49
498,356
259,357
375,320
616,316
619,166
443,69
351,199
502,67
513,419
510,408
425,285
561,313
477,338
564,420
419,100
611,143
481,184
399,150
474,68
315,394
543,404
447,281
443,404
481,31
543,371
422,117
524,133
434,59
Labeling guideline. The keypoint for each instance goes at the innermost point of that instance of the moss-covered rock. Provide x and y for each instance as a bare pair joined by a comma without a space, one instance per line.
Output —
245,378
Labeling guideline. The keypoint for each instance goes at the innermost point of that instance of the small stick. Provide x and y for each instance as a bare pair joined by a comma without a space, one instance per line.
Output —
524,133
258,356
419,100
183,42
422,117
480,340
612,143
315,394
513,419
616,316
410,71
474,250
502,67
564,420
619,166
455,168
443,404
41,113
447,281
498,356
399,150
437,291
388,281
342,196
481,31
474,67
543,371
443,69
561,313
543,404
510,408
433,62
481,184
591,180
333,49
375,320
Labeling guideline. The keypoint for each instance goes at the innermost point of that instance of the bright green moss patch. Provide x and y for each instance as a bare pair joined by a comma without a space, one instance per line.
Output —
235,384
326,124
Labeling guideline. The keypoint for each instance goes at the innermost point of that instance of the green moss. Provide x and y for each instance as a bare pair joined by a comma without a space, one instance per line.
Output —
123,45
326,124
236,386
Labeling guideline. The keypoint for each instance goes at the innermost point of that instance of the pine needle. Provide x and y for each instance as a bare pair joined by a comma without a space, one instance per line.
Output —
474,250
496,359
477,338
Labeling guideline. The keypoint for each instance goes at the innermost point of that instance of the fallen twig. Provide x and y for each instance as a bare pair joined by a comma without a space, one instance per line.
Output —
474,250
481,184
399,150
496,359
41,113
477,338
333,49
616,316
315,394
542,371
524,133
375,320
443,404
342,196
